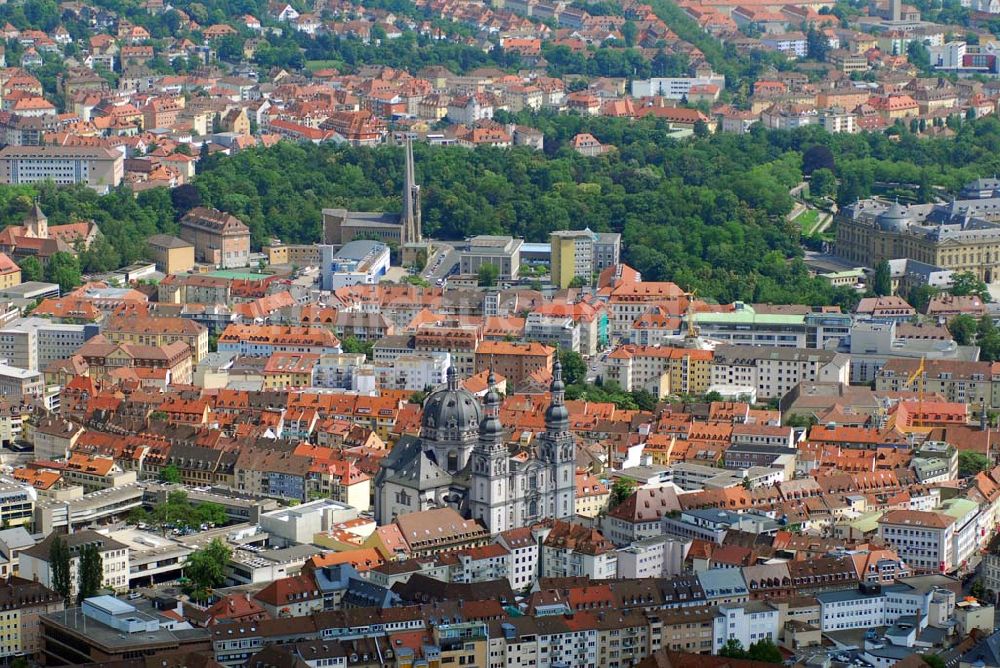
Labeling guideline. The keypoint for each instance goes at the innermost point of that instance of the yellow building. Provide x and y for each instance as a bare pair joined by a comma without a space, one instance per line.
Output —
572,256
582,254
172,255
464,643
10,632
661,370
10,273
152,331
284,370
592,495
301,255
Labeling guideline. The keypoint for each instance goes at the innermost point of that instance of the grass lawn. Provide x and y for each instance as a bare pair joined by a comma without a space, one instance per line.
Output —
807,220
313,65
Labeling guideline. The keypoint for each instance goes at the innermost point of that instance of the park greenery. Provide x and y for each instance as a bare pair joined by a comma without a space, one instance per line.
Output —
90,570
762,650
178,512
205,569
968,331
708,214
970,463
59,565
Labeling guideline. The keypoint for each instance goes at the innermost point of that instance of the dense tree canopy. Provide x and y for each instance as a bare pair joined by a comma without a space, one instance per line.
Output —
707,213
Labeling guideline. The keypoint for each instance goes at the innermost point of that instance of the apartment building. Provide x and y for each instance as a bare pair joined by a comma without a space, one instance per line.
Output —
582,254
97,167
158,331
653,557
748,623
924,540
661,370
524,557
629,301
572,550
414,371
871,605
514,361
555,330
20,384
454,337
265,340
34,343
957,381
219,238
171,255
23,601
773,372
35,563
773,326
17,504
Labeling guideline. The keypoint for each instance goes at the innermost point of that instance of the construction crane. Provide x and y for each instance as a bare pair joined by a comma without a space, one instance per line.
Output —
692,332
920,373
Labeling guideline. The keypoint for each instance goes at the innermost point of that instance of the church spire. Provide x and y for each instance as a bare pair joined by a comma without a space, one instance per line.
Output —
557,415
490,429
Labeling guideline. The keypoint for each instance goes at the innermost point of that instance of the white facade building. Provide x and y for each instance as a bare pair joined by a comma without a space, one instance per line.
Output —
415,371
674,88
924,540
747,622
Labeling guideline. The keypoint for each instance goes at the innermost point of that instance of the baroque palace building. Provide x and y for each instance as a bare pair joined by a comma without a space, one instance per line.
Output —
961,235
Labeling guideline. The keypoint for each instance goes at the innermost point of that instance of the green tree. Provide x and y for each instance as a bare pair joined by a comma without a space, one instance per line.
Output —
765,650
978,589
629,32
823,183
933,660
574,369
920,296
139,515
63,268
488,275
621,490
91,574
170,473
206,568
210,513
970,463
817,44
31,269
918,54
354,345
963,329
578,282
59,565
989,346
818,156
733,649
882,282
799,421
966,283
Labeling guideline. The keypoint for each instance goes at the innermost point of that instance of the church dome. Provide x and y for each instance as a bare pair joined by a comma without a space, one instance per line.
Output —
452,408
893,219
